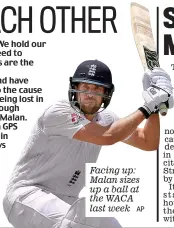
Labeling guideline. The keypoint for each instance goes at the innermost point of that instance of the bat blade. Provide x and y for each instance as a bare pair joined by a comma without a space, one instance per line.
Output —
143,36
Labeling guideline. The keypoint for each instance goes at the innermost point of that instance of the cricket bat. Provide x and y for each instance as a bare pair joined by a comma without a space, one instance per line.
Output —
143,36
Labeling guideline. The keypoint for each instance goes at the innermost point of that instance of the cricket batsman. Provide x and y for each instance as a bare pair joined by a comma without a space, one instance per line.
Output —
45,184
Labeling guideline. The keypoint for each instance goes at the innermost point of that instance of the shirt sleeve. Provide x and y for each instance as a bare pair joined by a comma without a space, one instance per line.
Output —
106,118
62,120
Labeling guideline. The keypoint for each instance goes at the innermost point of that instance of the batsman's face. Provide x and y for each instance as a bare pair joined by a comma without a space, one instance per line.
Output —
90,99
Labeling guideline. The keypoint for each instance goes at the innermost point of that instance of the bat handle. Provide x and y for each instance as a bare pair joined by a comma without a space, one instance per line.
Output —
163,109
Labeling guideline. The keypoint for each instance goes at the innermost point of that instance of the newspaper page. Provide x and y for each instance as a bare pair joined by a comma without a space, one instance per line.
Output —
61,166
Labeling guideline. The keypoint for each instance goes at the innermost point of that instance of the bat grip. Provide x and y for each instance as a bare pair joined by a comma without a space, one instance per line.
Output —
163,109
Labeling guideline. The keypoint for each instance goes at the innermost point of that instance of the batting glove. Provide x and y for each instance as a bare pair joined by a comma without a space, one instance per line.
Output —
153,98
158,78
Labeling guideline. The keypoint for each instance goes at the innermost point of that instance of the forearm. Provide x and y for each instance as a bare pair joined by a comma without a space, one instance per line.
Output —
124,127
152,130
117,131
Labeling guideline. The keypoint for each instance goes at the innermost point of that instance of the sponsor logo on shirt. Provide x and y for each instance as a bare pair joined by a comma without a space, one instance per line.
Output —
75,118
74,178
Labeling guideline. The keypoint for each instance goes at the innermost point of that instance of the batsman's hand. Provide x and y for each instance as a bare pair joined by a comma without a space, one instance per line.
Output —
154,96
158,78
